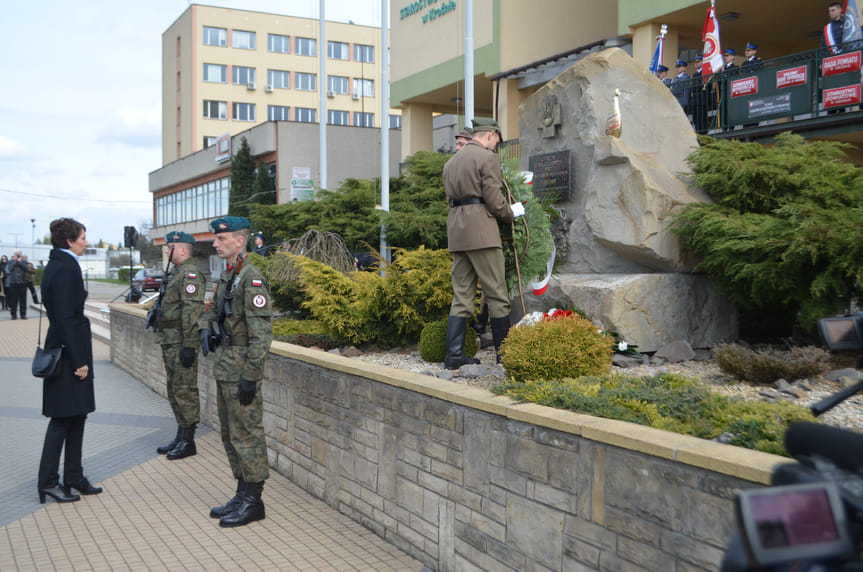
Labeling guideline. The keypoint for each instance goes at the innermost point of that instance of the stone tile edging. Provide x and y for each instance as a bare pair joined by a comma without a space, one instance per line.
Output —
746,464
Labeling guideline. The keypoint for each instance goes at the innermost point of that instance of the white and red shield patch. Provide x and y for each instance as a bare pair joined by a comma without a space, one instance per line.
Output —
259,301
191,288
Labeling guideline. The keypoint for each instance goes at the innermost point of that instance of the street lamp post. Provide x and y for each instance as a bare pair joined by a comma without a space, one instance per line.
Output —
33,241
16,235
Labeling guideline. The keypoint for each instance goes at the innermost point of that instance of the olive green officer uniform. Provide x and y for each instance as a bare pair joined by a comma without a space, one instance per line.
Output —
181,309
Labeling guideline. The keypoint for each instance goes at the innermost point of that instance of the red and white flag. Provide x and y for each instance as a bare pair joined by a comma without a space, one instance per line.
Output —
712,61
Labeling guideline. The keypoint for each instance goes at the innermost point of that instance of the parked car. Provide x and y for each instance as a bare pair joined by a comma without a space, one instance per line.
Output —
148,279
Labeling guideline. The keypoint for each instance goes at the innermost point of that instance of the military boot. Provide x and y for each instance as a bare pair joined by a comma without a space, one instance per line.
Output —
162,449
250,508
456,327
499,330
185,446
228,508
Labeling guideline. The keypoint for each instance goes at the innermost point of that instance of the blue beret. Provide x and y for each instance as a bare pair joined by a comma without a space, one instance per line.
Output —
229,224
730,52
680,63
699,58
662,68
751,46
178,236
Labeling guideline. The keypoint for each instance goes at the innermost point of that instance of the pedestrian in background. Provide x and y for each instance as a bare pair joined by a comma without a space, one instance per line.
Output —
462,138
4,260
261,248
680,86
243,313
68,397
177,321
16,285
31,273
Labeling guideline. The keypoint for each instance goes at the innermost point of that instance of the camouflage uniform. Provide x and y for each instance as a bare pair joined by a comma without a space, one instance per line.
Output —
250,331
181,308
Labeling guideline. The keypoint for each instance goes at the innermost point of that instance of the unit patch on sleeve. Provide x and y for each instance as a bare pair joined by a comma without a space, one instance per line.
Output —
191,288
257,282
259,301
191,275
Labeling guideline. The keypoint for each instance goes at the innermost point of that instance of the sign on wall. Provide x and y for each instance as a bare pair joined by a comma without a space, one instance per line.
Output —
551,175
223,148
302,186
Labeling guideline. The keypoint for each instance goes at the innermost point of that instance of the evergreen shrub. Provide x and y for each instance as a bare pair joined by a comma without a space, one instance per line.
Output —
767,365
556,348
432,342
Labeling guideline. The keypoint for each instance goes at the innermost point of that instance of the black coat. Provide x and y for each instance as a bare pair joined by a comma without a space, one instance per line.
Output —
63,295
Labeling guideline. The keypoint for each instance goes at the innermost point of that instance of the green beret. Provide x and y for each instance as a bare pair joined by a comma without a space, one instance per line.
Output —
178,236
229,224
485,125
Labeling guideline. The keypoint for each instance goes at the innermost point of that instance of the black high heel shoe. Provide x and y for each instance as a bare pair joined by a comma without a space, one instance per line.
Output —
57,493
83,486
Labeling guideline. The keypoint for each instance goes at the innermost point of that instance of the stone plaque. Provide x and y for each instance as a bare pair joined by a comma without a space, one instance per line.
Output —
551,175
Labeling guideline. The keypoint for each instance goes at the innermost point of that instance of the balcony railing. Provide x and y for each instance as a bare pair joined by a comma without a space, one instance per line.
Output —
800,87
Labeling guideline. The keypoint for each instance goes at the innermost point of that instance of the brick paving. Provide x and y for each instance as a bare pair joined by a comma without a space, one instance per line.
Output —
153,514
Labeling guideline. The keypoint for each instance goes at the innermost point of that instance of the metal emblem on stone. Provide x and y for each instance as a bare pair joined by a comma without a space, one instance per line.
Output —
550,117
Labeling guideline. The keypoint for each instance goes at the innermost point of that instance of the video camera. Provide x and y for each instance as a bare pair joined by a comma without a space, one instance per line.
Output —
811,518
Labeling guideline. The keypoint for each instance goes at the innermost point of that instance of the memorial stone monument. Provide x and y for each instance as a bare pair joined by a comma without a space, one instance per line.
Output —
617,260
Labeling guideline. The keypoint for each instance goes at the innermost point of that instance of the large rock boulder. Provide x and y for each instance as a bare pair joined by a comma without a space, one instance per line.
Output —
618,261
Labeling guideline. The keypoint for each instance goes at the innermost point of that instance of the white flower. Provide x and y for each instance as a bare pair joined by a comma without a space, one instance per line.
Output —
621,347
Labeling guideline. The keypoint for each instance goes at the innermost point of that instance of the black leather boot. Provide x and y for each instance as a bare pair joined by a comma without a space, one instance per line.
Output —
228,508
499,330
83,487
185,446
456,327
481,320
163,449
250,508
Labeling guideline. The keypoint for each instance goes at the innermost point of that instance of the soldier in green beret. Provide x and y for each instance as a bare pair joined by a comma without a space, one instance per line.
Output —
180,306
242,320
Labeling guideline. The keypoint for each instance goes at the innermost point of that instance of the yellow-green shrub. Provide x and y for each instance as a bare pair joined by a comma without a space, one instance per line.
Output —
557,348
433,342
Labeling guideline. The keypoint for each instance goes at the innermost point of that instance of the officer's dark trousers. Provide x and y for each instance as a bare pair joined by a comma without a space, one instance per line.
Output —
17,299
68,431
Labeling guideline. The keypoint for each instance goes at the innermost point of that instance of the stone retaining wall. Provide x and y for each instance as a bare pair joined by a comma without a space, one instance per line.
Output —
465,480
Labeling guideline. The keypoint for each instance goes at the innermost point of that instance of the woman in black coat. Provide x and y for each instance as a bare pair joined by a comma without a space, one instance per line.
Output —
68,397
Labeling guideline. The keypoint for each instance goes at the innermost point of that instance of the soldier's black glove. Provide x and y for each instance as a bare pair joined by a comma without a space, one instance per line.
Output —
245,392
206,336
187,357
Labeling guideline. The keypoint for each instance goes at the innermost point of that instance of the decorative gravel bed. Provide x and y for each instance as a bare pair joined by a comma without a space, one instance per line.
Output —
805,392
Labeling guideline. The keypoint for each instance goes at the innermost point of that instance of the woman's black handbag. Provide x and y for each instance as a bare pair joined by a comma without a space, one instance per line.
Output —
46,362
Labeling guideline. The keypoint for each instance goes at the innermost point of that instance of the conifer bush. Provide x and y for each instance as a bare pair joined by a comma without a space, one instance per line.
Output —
556,348
432,343
784,236
768,365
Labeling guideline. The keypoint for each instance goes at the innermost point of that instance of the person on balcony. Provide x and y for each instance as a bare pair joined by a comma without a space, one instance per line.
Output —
680,86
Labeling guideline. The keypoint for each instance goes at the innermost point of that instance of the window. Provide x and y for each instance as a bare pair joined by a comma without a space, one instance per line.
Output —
305,46
337,84
205,201
279,79
243,40
209,141
364,87
244,111
338,117
215,109
364,53
305,114
277,43
364,119
215,36
216,73
395,121
278,113
337,51
243,75
305,81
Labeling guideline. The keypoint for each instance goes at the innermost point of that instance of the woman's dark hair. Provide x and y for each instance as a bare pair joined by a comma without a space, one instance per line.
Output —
64,231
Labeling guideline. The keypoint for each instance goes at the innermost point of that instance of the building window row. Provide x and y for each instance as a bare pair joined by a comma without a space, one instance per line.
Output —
205,201
281,79
281,44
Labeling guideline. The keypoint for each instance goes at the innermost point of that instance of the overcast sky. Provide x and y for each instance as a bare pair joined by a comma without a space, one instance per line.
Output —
80,108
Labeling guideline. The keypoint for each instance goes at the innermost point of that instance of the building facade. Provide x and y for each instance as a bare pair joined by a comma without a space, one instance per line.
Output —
226,70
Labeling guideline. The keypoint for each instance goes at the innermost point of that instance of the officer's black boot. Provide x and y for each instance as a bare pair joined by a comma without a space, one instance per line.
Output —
162,449
228,508
250,508
456,327
481,321
499,330
185,446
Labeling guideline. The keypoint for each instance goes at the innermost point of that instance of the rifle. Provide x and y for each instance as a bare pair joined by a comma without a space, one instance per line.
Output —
153,314
221,336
